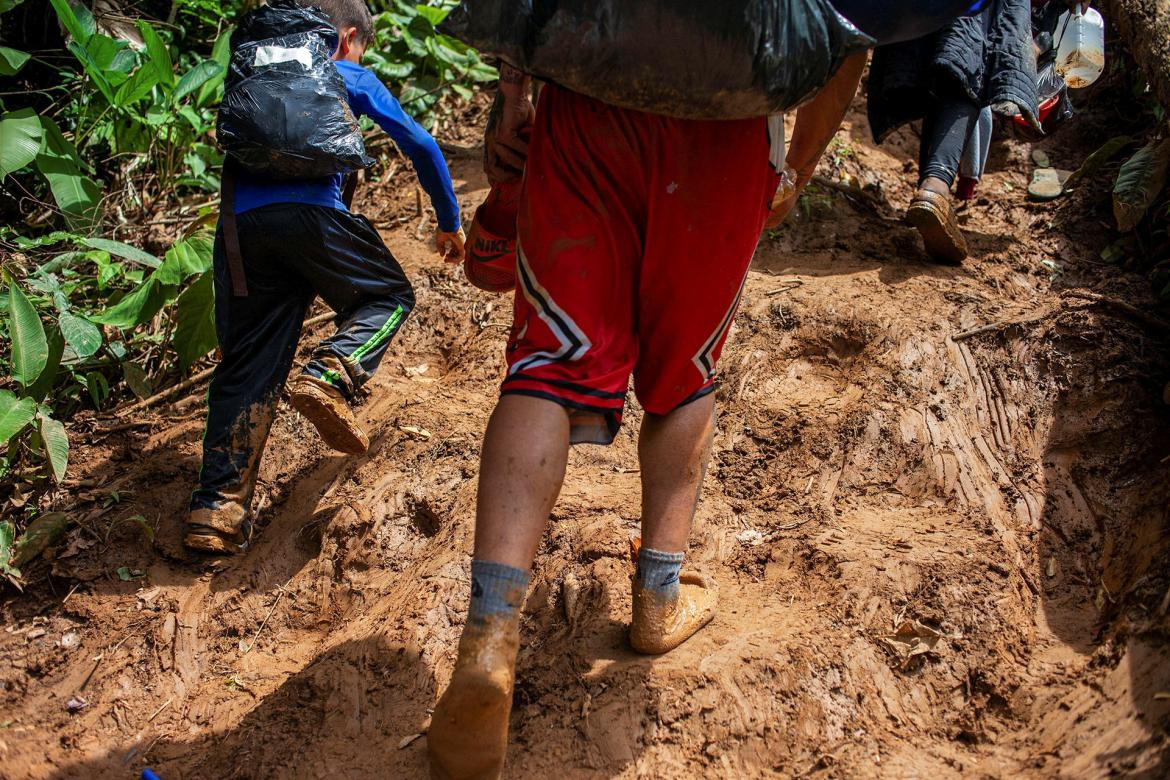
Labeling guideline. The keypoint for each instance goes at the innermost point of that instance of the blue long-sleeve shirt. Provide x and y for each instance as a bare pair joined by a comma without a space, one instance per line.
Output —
368,96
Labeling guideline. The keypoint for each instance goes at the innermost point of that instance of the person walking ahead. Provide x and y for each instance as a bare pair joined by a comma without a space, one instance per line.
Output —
297,240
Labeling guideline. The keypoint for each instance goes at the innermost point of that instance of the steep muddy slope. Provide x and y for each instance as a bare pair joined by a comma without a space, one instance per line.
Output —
940,546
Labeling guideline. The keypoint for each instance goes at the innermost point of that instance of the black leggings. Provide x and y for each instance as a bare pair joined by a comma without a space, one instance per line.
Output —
901,20
945,130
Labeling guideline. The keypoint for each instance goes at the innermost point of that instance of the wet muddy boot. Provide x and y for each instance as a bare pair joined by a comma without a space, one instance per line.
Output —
468,737
224,530
933,216
323,405
661,624
669,606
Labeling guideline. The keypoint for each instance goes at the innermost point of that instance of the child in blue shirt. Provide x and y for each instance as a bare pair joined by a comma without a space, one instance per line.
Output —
297,240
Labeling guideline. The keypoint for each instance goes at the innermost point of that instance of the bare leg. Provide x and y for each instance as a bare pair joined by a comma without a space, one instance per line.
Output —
521,470
673,450
520,474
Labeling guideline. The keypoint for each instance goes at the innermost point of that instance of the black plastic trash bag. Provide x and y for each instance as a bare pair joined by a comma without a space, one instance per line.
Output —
698,59
285,112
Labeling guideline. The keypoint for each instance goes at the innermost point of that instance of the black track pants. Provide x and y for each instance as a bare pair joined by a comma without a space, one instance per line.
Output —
291,254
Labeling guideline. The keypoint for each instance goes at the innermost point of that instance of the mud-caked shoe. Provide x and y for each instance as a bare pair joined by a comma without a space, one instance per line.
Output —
665,618
468,737
323,405
224,530
933,216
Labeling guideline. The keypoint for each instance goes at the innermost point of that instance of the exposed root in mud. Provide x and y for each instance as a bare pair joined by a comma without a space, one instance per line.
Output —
939,551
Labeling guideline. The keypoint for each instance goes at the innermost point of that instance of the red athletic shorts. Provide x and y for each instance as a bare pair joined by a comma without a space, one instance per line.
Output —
635,235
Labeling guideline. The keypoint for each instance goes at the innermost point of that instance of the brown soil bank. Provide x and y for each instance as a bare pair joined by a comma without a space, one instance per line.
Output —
940,553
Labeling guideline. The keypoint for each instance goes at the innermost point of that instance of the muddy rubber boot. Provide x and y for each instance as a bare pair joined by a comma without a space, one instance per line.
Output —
933,217
468,737
662,624
323,405
225,530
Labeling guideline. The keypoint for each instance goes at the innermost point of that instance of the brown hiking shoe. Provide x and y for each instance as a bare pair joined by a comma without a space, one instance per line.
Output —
468,737
225,530
933,216
660,625
323,405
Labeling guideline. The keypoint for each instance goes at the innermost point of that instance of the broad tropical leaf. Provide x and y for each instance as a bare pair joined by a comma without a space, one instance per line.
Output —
158,54
138,86
30,348
72,23
185,259
124,251
80,333
197,77
46,530
195,331
20,140
40,388
11,61
7,533
56,442
76,194
1139,182
57,145
137,307
15,414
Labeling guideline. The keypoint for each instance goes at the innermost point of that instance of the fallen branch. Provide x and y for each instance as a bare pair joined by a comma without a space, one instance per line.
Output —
267,617
996,327
159,397
1120,307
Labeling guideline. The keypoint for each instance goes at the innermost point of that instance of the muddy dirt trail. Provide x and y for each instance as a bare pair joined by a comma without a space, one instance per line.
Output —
941,547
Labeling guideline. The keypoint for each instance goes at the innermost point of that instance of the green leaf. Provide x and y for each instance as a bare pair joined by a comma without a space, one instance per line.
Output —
98,387
20,140
197,77
7,533
11,61
137,307
159,56
56,445
46,530
70,21
30,348
75,193
1139,182
185,259
432,14
124,251
1102,155
40,388
222,52
138,86
95,71
56,237
80,333
136,379
15,414
57,145
195,330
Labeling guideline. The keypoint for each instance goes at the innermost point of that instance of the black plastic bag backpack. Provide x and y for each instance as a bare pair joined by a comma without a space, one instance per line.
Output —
285,112
694,59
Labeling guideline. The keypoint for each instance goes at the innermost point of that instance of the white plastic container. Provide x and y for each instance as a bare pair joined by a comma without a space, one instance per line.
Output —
1080,49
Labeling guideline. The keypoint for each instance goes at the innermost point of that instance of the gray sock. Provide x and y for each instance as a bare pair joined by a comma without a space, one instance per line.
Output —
658,571
496,589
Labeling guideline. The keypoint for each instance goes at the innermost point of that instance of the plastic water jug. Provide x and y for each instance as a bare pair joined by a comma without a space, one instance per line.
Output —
1080,52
